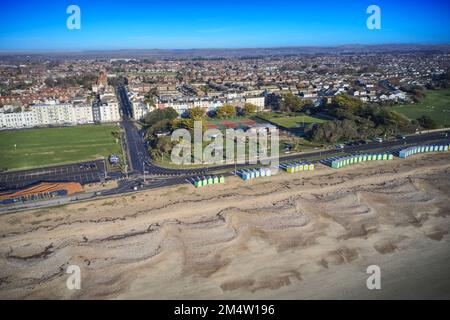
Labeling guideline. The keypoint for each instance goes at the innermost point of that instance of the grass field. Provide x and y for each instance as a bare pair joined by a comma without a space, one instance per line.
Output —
291,122
436,105
52,146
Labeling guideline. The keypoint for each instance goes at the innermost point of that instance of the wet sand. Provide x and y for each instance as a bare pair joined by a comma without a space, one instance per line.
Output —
303,236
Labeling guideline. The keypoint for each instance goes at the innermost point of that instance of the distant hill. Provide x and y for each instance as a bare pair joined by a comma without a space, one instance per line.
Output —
240,53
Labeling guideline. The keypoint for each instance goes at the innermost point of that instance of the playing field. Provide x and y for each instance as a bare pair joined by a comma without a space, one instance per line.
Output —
436,105
31,148
291,122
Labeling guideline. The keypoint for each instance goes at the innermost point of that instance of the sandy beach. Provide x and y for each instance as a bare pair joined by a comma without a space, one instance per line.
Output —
308,235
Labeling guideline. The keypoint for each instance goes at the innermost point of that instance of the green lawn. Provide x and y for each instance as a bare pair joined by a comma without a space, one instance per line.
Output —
436,105
51,146
291,122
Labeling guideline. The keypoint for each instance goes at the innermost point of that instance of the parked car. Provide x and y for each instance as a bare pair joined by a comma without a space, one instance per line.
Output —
340,146
379,140
401,137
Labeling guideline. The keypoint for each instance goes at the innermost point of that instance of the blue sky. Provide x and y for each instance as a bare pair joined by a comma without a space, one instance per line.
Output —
133,24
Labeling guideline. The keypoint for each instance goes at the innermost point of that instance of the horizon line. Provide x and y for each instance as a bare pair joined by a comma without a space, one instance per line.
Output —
21,51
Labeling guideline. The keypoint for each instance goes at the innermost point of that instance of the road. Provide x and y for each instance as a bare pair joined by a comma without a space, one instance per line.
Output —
136,149
138,157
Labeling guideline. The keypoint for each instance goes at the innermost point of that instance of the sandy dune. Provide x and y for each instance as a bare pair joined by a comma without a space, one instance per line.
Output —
308,235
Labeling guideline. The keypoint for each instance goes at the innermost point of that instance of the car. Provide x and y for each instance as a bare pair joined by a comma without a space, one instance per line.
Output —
401,137
379,140
340,146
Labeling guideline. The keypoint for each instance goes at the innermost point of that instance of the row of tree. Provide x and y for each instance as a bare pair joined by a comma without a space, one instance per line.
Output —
354,120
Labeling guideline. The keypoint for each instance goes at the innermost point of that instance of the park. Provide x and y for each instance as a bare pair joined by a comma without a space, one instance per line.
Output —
32,148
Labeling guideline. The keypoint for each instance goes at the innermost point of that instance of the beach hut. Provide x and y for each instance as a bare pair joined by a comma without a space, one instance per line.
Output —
216,180
221,179
335,164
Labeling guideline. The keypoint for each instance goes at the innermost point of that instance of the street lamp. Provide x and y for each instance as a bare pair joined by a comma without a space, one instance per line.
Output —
143,169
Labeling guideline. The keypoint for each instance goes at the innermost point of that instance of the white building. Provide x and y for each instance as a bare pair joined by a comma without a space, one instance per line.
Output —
140,109
259,102
11,119
49,113
182,106
54,113
109,108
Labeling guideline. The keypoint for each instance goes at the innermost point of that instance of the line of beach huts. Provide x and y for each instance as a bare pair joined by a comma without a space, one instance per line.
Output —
333,162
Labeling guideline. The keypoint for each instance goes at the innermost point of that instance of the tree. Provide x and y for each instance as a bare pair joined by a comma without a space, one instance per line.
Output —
292,103
149,97
160,127
187,124
226,111
197,113
249,108
164,144
426,122
343,130
160,114
344,101
273,101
